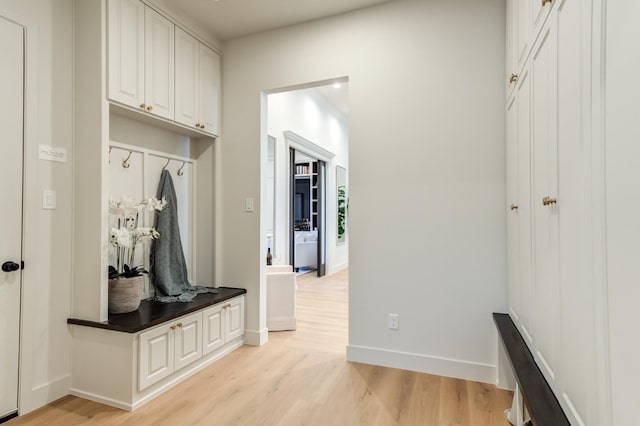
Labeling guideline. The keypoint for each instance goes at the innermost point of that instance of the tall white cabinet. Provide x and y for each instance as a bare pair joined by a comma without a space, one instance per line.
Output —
128,86
552,290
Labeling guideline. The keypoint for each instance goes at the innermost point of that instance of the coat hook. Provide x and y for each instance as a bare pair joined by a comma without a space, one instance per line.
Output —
166,164
125,163
180,172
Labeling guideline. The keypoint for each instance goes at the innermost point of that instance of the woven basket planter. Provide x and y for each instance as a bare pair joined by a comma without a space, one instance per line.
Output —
125,294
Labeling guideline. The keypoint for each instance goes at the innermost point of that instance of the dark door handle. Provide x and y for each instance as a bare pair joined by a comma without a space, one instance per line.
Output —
10,266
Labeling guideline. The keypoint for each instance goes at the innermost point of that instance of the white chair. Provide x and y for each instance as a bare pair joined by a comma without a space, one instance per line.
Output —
281,298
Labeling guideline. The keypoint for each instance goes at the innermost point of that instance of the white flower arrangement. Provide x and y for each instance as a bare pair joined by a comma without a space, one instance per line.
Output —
128,235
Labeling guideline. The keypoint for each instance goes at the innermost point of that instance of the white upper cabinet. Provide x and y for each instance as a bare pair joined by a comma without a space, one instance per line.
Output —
126,51
197,83
141,57
187,77
159,68
159,64
209,89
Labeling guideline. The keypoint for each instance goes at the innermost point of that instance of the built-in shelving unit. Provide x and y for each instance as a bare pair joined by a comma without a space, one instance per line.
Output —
307,177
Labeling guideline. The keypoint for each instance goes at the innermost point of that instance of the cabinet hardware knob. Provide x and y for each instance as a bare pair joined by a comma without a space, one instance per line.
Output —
143,106
513,78
173,327
202,126
228,305
514,207
198,125
10,266
546,201
149,108
179,324
544,2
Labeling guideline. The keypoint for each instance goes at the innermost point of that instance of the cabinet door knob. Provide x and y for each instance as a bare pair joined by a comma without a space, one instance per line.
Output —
546,201
513,78
544,2
514,207
173,327
10,266
198,125
149,108
228,305
202,126
143,106
179,324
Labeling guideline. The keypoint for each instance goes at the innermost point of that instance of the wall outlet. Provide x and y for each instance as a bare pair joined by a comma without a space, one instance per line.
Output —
394,322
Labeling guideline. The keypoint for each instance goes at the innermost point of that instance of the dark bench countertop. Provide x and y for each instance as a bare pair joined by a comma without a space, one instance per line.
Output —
151,313
541,402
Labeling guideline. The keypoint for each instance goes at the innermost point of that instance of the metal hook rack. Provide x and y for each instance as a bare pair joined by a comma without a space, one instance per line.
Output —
125,163
180,172
166,164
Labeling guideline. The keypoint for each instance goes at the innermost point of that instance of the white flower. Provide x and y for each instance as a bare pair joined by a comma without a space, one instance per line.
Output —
128,235
155,204
121,237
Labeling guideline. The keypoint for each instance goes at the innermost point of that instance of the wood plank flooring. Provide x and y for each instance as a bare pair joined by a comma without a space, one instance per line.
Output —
299,378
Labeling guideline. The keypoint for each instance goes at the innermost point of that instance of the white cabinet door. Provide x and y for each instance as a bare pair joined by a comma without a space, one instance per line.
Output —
524,31
159,64
513,238
209,89
187,79
156,355
213,329
126,52
188,340
235,319
511,44
544,120
539,13
526,293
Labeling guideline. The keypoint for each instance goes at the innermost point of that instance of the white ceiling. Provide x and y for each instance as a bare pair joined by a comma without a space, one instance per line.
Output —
229,19
338,98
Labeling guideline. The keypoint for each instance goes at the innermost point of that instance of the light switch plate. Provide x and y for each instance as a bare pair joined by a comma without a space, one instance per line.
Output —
248,204
48,199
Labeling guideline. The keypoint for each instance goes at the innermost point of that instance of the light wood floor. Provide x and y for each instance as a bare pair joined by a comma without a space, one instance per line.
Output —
299,378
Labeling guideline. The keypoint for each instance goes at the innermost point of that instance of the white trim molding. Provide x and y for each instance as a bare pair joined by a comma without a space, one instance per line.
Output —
256,337
301,144
448,367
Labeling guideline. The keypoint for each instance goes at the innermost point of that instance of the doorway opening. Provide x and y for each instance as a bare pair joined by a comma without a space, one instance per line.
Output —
306,144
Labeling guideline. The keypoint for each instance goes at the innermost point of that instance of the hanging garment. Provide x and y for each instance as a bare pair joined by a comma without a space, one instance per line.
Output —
168,266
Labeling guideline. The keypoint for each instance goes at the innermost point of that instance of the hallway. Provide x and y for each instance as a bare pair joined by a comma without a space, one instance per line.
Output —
300,378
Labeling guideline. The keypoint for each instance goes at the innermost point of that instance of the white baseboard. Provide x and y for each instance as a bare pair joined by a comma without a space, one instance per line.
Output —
281,324
256,337
459,369
45,394
338,268
101,399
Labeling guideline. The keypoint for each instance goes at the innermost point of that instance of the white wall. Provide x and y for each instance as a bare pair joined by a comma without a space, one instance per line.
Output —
622,153
311,117
45,357
427,175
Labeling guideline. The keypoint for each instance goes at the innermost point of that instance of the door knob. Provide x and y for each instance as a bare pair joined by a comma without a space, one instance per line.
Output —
10,266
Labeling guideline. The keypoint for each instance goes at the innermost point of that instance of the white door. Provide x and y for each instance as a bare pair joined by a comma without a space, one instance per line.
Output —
513,224
11,137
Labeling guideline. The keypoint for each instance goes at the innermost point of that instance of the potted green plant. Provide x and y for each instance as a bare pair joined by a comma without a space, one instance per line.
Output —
126,279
